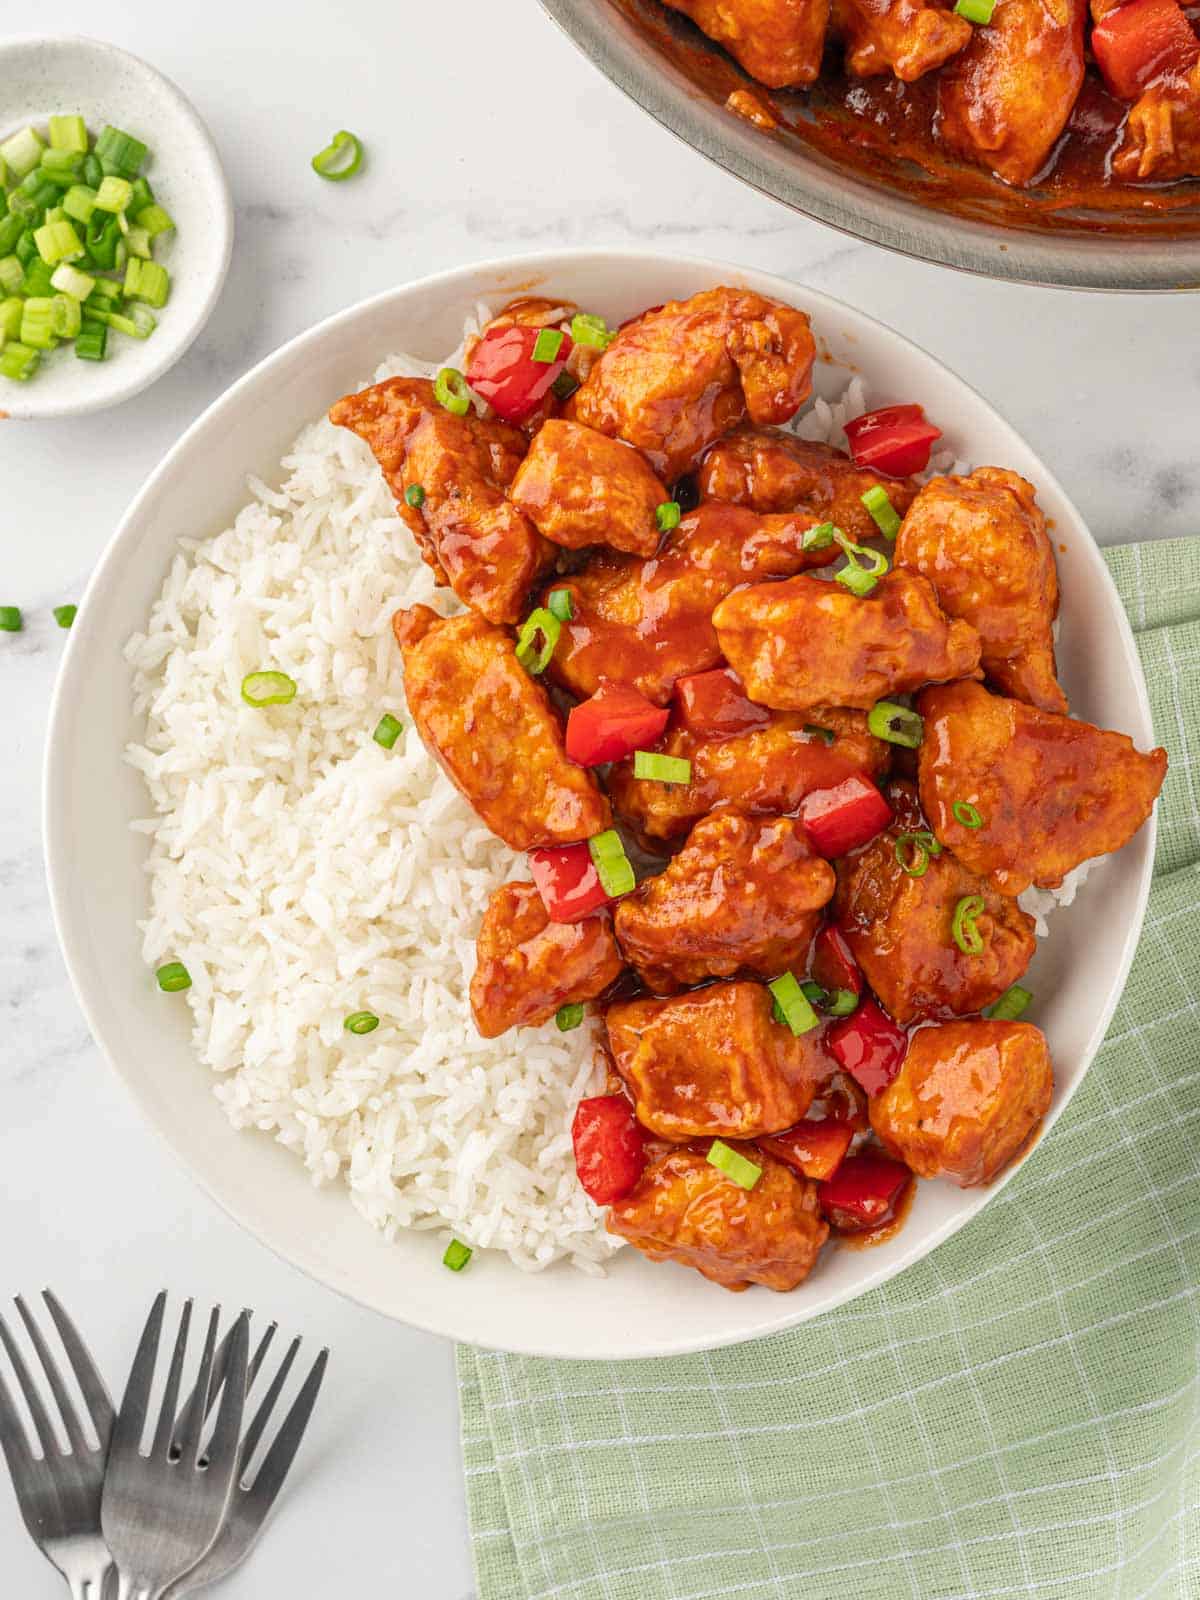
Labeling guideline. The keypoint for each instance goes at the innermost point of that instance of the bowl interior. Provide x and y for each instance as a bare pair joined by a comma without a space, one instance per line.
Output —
105,85
95,861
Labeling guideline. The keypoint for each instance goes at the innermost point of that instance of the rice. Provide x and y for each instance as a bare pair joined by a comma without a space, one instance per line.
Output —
301,872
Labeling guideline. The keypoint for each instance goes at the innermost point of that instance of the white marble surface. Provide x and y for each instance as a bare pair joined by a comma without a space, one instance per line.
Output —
487,134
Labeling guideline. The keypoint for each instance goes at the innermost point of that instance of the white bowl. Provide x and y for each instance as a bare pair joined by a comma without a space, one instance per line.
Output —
98,888
67,74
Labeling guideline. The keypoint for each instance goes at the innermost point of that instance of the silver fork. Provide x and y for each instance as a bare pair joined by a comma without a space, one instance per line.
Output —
160,1512
59,1491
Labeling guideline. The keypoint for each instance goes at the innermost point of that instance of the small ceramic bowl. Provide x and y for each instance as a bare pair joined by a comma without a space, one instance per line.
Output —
69,75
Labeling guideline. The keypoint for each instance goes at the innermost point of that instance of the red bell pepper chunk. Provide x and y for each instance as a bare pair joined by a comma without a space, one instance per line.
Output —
817,1149
868,1045
895,439
714,705
833,964
610,1147
862,1192
566,878
838,820
503,371
1141,41
613,723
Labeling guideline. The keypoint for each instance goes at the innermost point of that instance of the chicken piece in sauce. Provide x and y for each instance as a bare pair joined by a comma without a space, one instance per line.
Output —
778,42
765,769
1048,792
675,379
579,487
466,528
645,623
1162,134
686,1210
981,541
1004,100
744,893
528,966
806,642
899,928
907,38
492,730
768,469
966,1100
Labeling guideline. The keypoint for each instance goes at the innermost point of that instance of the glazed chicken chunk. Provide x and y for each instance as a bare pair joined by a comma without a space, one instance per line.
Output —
675,379
1162,135
579,487
468,531
907,38
1004,100
806,642
767,469
714,1062
967,1099
492,730
1048,792
899,928
981,542
686,1210
528,966
778,42
743,893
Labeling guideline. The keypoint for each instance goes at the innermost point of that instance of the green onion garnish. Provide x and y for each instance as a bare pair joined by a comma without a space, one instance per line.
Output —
913,851
883,512
450,390
65,615
826,735
535,657
561,605
607,851
734,1165
661,769
340,159
361,1022
966,814
565,385
896,724
591,330
173,977
10,619
457,1255
859,577
387,730
966,935
820,537
414,496
813,993
268,689
790,998
547,345
976,11
568,1017
842,1003
1011,1004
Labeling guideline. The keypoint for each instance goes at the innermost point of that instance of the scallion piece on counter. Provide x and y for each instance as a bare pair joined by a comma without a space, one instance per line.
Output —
119,153
733,1164
457,1255
883,512
976,11
11,620
795,1007
591,330
565,385
341,158
450,390
966,814
568,1017
865,567
1011,1004
387,730
896,724
65,615
913,851
561,605
962,925
612,864
173,977
842,1003
268,689
361,1022
414,496
547,345
820,537
667,515
661,769
537,640
826,735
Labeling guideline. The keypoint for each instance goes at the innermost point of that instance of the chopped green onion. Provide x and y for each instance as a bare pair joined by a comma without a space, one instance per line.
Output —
11,620
414,496
966,935
842,1003
561,605
12,274
57,241
966,814
565,385
37,323
136,322
153,218
119,153
69,280
387,730
820,537
137,242
882,510
913,851
61,167
612,864
450,390
812,992
65,316
268,689
667,515
65,615
25,248
114,194
547,345
69,133
146,280
173,977
21,152
106,293
857,577
340,159
568,1017
10,317
18,362
790,998
457,1255
38,280
661,769
143,196
896,724
93,172
535,657
103,237
590,330
11,230
91,343
361,1022
1011,1004
734,1165
977,11
826,735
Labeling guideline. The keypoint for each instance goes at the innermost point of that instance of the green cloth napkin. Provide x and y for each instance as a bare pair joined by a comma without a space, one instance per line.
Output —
1017,1414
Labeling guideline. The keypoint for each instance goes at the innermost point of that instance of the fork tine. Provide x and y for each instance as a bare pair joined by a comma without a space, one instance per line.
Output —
263,1415
188,1442
279,1457
222,1447
66,1406
91,1384
135,1403
33,1399
170,1399
259,1356
13,1439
